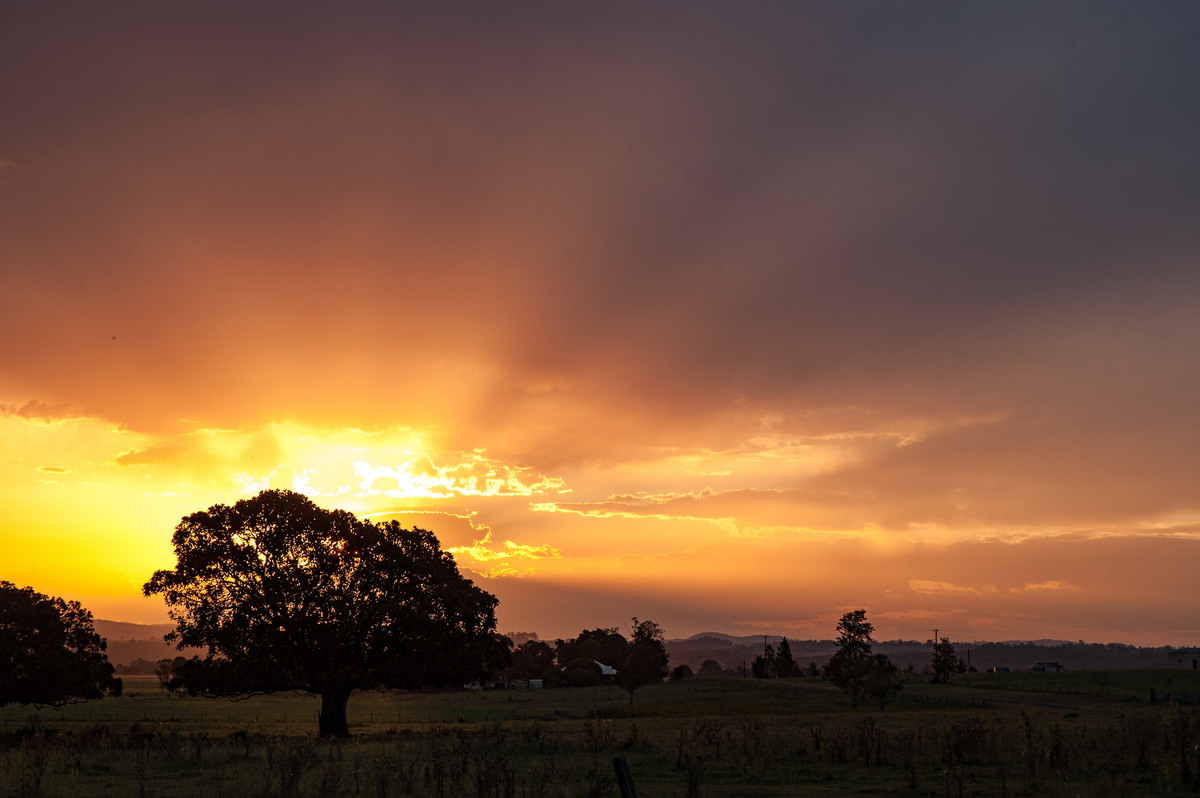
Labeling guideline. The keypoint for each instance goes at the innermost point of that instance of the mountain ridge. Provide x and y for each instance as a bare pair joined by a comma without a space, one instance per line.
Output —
128,642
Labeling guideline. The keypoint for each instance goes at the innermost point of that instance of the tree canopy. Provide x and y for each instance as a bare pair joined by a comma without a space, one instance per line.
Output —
853,669
776,663
646,662
533,659
286,595
50,653
882,680
784,665
602,644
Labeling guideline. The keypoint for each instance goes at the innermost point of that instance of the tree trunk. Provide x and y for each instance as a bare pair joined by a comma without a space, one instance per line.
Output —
332,720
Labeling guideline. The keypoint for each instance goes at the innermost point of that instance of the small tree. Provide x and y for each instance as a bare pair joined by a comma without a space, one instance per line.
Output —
530,660
882,681
169,670
784,665
681,672
288,596
945,661
582,673
50,654
764,663
602,644
647,660
850,663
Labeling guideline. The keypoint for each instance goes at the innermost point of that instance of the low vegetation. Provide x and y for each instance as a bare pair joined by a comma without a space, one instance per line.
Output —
1002,734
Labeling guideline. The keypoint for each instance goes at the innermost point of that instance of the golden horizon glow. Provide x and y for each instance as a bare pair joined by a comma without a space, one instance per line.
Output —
503,521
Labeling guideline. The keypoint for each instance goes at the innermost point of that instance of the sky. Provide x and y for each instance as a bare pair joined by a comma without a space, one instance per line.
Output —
735,317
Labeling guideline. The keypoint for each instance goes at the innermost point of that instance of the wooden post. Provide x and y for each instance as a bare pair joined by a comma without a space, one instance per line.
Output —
624,778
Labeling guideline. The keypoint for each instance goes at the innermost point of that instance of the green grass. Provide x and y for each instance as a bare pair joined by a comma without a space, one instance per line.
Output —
1090,733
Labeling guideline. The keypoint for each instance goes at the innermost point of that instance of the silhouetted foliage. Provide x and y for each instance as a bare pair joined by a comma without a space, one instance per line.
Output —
285,595
710,669
139,667
851,661
169,670
945,661
784,666
50,653
760,668
681,672
647,660
582,673
882,680
530,660
603,644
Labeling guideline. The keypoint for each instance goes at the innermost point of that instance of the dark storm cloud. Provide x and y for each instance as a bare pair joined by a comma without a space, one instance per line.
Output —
901,209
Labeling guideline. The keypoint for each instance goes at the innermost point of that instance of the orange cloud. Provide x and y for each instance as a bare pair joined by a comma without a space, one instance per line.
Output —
665,303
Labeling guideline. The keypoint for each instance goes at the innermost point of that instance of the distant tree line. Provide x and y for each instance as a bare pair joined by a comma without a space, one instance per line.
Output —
777,662
580,661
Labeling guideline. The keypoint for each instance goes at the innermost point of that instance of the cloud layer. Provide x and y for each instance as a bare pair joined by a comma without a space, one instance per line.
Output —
628,287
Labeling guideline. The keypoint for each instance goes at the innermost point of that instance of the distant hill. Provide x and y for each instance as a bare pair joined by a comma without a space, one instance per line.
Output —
122,630
732,652
128,642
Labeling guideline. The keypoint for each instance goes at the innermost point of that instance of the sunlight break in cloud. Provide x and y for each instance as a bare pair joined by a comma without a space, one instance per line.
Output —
484,551
1050,584
930,587
475,476
482,548
602,510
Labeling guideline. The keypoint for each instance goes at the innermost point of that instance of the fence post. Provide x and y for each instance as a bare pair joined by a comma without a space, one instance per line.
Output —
624,778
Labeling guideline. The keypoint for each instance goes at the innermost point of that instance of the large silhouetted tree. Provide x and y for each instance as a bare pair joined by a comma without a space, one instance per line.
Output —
288,596
50,653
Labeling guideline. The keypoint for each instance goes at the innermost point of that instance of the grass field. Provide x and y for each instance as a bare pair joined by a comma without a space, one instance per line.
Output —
1093,733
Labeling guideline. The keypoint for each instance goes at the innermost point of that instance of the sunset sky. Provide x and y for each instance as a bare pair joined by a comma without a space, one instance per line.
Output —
734,316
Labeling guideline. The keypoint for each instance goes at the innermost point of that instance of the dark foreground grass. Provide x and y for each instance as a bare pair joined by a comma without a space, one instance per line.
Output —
1016,734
